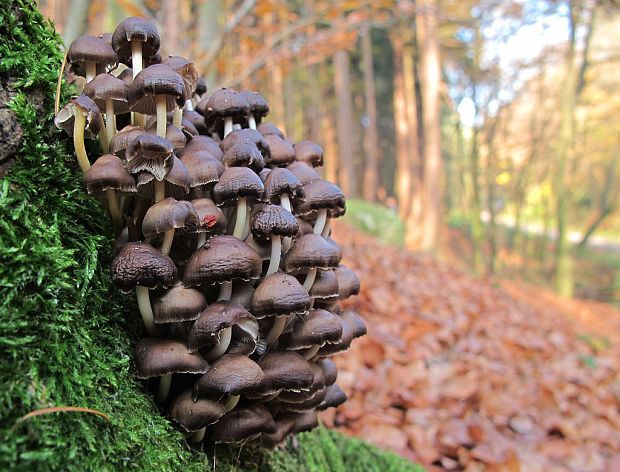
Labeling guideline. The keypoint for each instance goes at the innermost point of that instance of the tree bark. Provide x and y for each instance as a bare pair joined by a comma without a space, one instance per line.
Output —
342,80
371,141
76,20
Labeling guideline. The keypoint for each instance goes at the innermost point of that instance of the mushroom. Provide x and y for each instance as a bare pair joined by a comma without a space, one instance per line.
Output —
223,108
258,107
120,141
212,219
242,423
178,304
282,153
272,222
309,152
310,253
246,135
169,215
133,38
153,154
204,170
203,143
244,154
324,199
88,53
194,414
175,183
188,72
267,128
312,331
303,172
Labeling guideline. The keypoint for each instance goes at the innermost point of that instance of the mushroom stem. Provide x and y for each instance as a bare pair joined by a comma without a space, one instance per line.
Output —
202,238
221,347
246,226
320,221
310,276
327,228
225,291
189,105
78,140
160,103
310,352
139,120
109,120
231,402
144,304
276,250
228,125
160,190
177,117
285,202
251,121
115,213
136,57
164,387
276,330
241,217
91,71
167,244
197,436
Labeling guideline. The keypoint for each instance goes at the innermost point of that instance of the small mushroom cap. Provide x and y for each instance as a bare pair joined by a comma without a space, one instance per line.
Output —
89,48
178,304
222,259
120,141
87,107
203,143
235,183
234,374
188,128
258,106
197,120
325,285
201,86
225,103
244,154
334,244
107,87
193,415
157,79
303,172
169,214
135,29
322,194
273,220
279,294
211,218
142,264
108,173
317,327
282,153
358,326
302,401
284,423
267,128
311,250
186,70
287,370
159,356
341,344
348,283
176,181
280,181
126,76
309,152
151,153
174,136
335,397
243,422
205,331
306,421
203,168
330,371
246,135
318,383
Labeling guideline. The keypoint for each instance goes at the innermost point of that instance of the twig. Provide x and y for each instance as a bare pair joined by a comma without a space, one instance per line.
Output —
54,409
60,74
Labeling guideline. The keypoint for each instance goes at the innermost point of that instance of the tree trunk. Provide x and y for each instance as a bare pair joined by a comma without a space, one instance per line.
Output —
171,27
75,24
477,232
346,176
208,16
371,141
430,76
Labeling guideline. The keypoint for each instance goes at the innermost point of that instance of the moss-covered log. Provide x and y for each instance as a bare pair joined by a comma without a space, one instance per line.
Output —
66,334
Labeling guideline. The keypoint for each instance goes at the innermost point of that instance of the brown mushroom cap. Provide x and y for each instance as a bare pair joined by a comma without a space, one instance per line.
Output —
267,128
317,327
205,331
280,181
348,283
287,370
157,79
258,106
174,136
204,169
203,143
357,325
120,141
272,220
330,371
107,87
222,104
89,48
335,397
188,128
159,356
80,104
176,180
303,172
197,120
201,86
246,135
322,194
222,259
169,214
186,70
142,264
108,173
309,152
284,423
135,29
306,421
235,183
234,374
318,384
178,304
193,415
243,422
325,285
151,153
279,294
244,154
211,218
309,251
282,153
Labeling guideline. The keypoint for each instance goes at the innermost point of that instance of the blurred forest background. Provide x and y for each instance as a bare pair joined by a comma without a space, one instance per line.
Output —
485,131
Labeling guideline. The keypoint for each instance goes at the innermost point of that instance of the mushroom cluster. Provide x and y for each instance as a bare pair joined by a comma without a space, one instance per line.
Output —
223,230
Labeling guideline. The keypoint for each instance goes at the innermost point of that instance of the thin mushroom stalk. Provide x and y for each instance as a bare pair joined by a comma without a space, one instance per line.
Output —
276,252
78,140
164,387
321,219
115,213
110,122
285,203
167,244
144,305
276,329
228,125
241,218
160,100
226,334
251,121
91,71
136,65
189,104
177,117
103,137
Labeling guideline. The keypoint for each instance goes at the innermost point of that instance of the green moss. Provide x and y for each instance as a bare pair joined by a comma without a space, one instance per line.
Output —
377,220
66,335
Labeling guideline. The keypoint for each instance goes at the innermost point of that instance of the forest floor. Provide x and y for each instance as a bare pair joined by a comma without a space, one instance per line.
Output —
464,373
